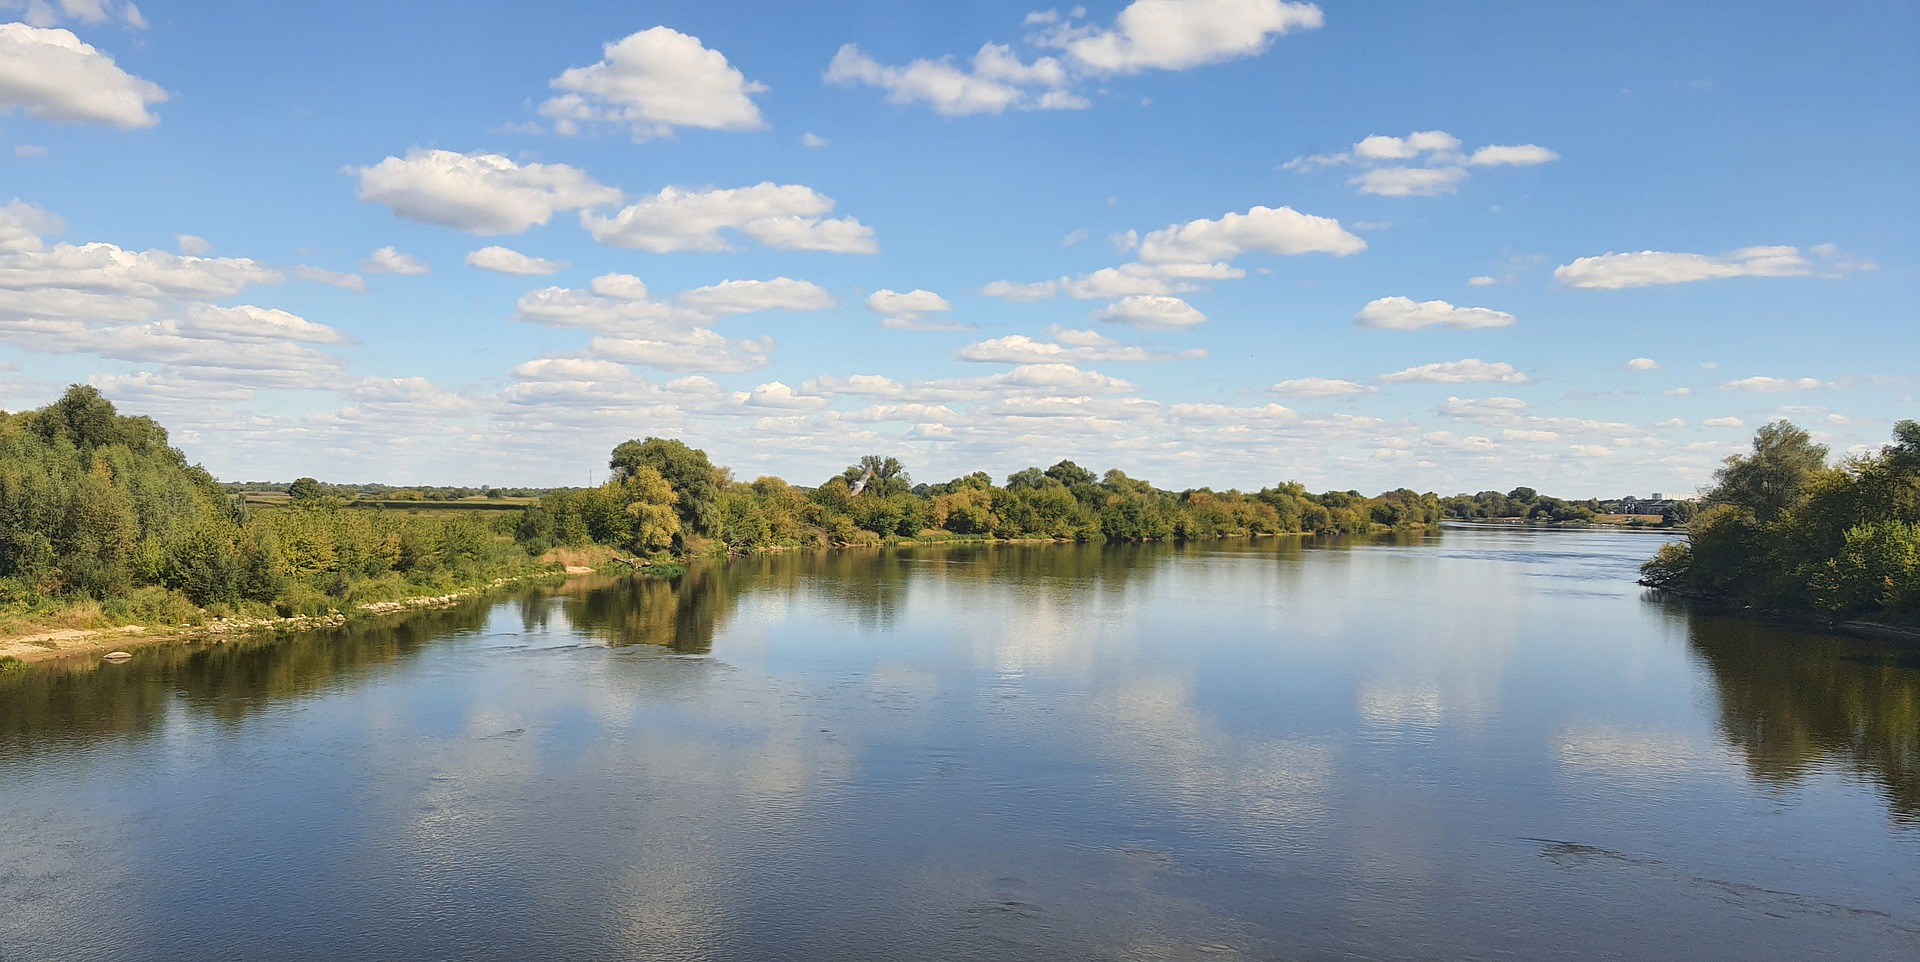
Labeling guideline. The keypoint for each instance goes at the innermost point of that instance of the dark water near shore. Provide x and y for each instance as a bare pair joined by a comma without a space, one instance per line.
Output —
1480,744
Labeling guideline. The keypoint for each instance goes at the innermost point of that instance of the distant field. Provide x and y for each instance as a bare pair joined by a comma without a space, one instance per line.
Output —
1627,518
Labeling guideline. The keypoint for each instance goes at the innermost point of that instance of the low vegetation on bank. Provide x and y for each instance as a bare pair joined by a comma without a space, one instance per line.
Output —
1785,530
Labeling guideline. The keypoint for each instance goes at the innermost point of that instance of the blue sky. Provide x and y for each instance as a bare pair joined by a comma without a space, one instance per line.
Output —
1226,242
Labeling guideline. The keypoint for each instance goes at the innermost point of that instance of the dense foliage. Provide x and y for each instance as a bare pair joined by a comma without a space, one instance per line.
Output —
97,509
1784,529
665,497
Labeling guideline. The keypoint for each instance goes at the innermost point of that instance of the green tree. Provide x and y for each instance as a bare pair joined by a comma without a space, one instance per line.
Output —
695,481
1768,481
305,490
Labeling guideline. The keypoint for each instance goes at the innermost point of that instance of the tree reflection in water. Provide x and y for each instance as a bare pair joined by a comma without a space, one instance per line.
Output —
79,701
1795,701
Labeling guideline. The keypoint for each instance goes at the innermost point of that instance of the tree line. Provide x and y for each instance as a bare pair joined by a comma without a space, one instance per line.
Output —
1785,529
663,497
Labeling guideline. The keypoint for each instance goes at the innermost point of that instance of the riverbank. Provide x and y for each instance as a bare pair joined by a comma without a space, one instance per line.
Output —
69,642
1786,618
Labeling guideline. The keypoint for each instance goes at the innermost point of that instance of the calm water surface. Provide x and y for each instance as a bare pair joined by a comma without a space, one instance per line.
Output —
1477,745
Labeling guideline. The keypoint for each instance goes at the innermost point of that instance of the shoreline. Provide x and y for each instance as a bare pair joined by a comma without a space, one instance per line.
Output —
74,642
1786,618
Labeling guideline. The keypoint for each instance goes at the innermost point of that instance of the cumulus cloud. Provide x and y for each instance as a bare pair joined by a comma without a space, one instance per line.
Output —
653,82
1181,34
1404,314
812,141
1643,364
189,244
51,75
908,311
995,81
571,369
1274,230
1151,310
776,394
785,216
1066,345
479,193
1612,271
386,260
746,297
631,326
1470,370
1319,387
1728,422
1774,385
506,260
1424,163
1146,35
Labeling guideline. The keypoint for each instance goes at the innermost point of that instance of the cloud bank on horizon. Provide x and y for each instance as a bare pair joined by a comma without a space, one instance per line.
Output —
793,241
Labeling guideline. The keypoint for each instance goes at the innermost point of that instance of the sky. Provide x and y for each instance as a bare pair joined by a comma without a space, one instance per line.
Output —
1586,248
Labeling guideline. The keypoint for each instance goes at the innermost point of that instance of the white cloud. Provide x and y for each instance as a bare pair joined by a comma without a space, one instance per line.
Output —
695,350
1182,34
1493,410
632,327
1590,451
1410,181
1520,155
1280,230
908,311
812,140
1151,310
29,150
787,216
746,297
1319,387
1724,423
1404,314
506,260
571,369
1482,281
250,323
1524,434
1146,35
479,193
1075,236
1067,345
1774,385
997,80
1425,163
386,260
22,226
1108,283
1643,364
1470,370
1612,271
775,394
52,75
652,82
192,245
108,269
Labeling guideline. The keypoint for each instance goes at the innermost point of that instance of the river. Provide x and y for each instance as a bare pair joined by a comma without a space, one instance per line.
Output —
1472,744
